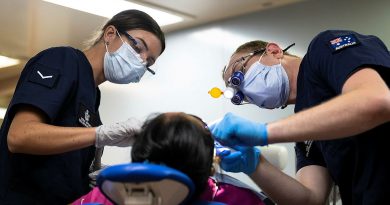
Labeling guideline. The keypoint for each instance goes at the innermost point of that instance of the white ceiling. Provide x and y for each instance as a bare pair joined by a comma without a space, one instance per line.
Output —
29,26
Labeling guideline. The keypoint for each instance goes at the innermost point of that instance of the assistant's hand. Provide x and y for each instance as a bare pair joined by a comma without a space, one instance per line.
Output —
234,130
244,159
120,134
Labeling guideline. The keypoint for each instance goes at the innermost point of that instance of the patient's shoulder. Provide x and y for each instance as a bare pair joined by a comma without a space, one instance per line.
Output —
226,189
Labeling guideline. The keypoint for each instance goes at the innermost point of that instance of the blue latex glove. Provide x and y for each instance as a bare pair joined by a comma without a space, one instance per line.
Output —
234,130
244,159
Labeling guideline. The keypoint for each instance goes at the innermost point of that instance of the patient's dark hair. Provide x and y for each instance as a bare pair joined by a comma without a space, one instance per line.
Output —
180,141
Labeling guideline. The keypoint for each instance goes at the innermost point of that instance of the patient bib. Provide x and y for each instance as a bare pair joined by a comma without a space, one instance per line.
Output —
224,190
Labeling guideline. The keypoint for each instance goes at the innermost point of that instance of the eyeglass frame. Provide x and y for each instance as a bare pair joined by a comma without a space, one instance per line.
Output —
243,60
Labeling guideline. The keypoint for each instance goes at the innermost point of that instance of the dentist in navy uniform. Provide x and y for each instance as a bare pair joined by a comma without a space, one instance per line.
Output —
341,124
52,128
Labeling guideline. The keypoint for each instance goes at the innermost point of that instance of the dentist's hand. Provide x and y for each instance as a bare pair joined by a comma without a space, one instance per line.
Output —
234,130
120,134
244,159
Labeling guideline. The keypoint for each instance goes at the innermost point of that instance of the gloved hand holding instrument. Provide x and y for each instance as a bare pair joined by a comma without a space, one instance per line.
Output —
233,130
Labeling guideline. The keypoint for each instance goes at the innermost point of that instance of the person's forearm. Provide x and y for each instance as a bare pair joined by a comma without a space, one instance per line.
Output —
349,114
281,188
42,139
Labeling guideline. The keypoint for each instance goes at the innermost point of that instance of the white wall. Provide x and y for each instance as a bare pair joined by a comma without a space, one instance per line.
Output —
192,62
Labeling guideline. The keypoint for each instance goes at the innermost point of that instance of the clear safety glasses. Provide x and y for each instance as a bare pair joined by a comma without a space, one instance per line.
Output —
140,47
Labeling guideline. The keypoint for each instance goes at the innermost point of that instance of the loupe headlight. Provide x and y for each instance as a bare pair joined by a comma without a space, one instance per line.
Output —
237,78
238,98
235,95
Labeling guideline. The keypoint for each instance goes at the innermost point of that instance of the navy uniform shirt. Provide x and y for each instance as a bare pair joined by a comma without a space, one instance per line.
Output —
359,165
59,82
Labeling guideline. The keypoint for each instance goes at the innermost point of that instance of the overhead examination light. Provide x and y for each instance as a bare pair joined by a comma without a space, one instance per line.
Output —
7,61
108,8
2,112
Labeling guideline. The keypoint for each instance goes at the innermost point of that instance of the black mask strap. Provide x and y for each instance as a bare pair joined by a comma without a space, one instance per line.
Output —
288,47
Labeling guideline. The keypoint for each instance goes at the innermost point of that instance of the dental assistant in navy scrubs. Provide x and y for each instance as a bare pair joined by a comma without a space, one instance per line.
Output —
52,128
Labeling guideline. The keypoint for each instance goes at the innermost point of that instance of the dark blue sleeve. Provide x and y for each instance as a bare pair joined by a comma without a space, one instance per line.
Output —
336,55
307,153
47,81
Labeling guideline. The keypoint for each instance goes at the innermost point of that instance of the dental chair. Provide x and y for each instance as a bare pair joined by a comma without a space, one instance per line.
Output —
152,184
146,184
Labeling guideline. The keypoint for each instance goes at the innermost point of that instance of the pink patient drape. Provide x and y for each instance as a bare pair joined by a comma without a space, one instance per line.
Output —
215,191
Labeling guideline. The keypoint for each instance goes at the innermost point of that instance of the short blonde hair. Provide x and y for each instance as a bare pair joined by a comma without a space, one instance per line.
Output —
244,48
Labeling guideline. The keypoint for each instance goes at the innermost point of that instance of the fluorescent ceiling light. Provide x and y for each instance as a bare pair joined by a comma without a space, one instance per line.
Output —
108,8
2,112
6,61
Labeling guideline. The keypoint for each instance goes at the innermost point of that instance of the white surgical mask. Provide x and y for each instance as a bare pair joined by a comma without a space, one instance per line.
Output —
266,86
124,65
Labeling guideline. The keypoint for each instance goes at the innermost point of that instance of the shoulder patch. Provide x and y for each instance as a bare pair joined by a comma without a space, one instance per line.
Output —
44,76
343,42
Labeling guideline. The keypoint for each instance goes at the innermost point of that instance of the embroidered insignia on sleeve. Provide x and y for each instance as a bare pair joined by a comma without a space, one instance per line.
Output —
43,75
343,42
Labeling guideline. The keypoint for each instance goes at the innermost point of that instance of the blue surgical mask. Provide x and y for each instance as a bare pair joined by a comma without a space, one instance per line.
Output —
266,86
124,65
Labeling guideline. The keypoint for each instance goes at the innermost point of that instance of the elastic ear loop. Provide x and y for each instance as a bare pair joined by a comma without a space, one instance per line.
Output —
146,68
106,43
245,102
119,36
280,60
260,58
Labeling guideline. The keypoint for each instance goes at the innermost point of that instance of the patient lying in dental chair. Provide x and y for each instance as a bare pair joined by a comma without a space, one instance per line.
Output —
183,142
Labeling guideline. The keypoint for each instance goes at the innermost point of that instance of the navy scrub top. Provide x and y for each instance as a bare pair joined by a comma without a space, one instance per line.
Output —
359,165
59,82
